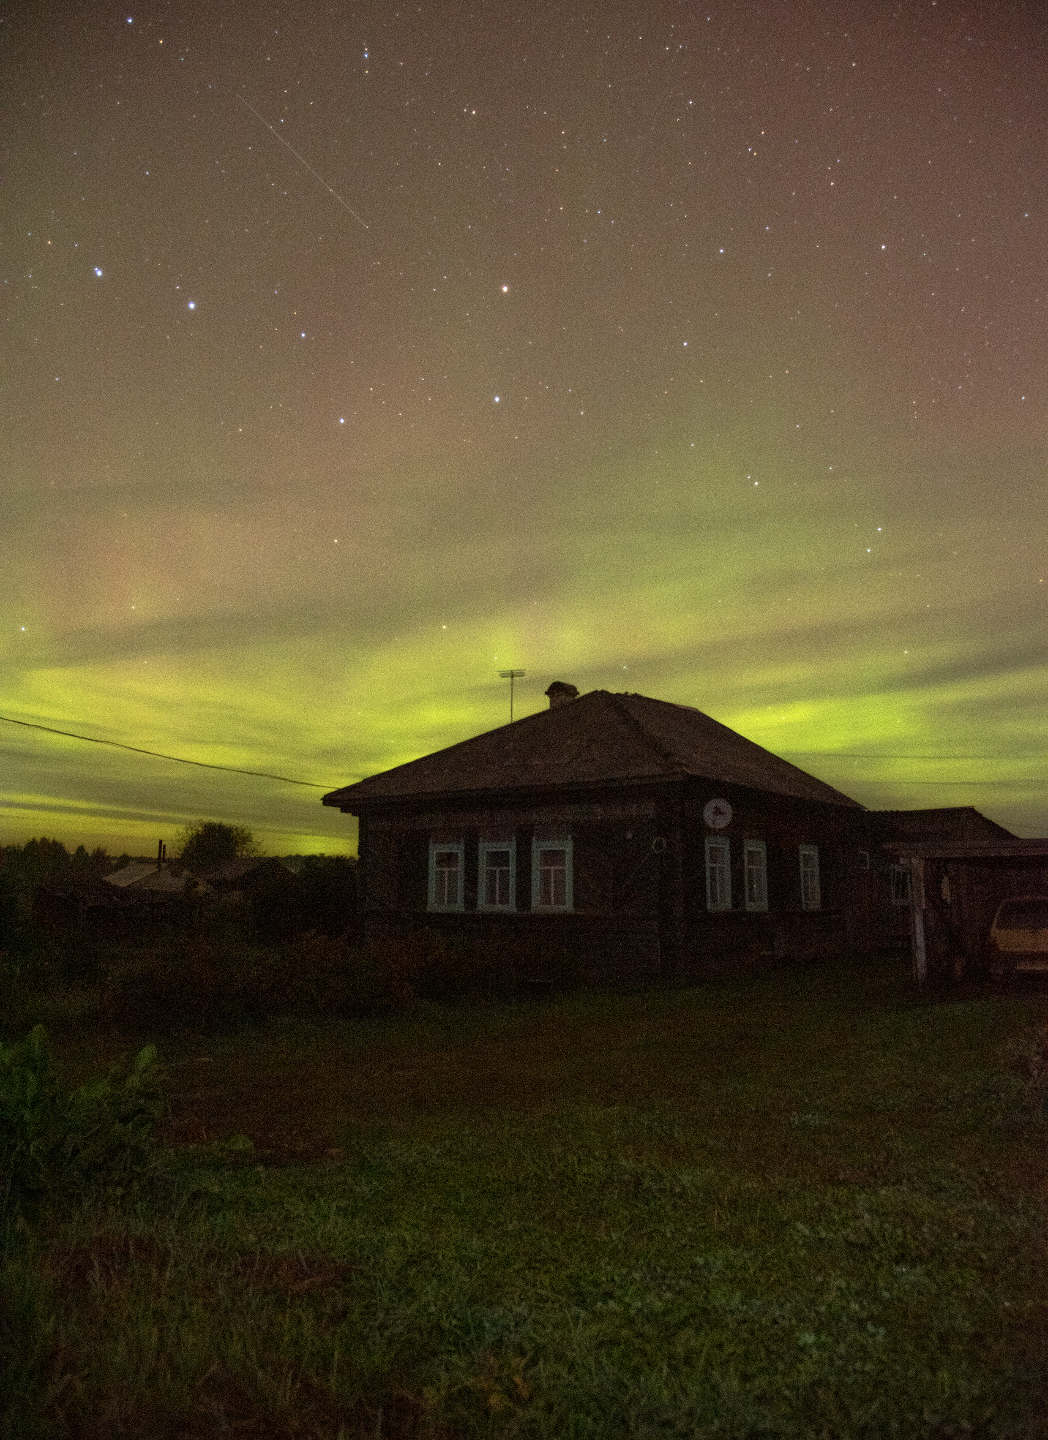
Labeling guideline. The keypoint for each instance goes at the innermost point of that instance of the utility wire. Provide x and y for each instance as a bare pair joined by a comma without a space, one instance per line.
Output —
925,759
954,783
316,785
179,759
866,755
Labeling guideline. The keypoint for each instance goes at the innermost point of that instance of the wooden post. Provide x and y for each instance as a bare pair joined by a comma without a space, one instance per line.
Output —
673,920
920,954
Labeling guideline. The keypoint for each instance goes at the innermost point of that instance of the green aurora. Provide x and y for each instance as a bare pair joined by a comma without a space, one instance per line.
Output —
670,370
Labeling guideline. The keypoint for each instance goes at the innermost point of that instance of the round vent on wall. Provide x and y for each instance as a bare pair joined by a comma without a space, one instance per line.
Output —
658,845
717,814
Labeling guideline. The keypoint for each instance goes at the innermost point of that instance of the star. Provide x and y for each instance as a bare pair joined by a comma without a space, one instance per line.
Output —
649,526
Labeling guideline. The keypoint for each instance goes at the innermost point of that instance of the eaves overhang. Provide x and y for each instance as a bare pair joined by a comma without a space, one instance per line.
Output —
510,794
960,850
526,794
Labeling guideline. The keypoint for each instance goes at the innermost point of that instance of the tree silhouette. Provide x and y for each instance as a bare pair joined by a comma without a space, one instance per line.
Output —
210,843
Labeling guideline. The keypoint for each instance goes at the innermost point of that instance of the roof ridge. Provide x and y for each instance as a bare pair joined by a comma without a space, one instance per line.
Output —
652,741
735,736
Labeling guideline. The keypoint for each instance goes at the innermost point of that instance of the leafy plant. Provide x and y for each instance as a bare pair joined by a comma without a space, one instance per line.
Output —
54,1142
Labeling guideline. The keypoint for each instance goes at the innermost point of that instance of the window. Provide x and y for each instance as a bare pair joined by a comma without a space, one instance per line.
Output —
551,878
900,877
811,898
718,873
445,875
497,887
756,865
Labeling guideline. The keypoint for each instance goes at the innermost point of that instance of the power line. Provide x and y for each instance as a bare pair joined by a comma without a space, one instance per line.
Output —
317,785
924,759
860,755
179,759
954,783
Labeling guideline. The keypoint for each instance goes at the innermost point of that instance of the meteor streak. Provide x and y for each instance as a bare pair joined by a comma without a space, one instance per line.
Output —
304,162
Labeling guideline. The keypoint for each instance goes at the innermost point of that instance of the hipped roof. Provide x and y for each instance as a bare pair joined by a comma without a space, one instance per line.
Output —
599,739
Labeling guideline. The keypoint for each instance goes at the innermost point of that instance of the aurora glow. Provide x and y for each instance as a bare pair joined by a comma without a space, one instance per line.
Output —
696,352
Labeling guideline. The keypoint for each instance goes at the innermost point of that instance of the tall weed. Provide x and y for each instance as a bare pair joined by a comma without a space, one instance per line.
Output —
54,1142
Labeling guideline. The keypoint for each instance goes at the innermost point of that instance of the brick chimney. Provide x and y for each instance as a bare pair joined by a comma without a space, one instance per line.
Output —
561,693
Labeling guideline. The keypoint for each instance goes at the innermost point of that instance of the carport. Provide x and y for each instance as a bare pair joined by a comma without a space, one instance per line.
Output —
955,891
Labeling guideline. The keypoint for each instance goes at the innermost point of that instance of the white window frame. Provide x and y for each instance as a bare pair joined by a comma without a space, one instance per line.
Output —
811,888
537,846
718,870
484,849
440,847
755,868
902,885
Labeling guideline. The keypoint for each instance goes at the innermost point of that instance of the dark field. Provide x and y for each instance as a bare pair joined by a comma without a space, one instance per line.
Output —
805,1204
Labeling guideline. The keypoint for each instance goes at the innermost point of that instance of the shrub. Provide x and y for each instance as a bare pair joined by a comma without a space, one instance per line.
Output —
322,897
197,981
453,968
310,976
380,978
436,966
210,980
53,1142
206,982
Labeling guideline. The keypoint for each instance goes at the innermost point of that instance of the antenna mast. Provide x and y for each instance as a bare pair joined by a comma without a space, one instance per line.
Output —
511,675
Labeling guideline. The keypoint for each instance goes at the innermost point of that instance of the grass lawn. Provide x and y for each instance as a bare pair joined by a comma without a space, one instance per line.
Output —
806,1204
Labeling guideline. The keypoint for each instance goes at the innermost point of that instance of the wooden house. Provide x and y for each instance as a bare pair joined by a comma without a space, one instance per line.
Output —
888,890
637,836
956,887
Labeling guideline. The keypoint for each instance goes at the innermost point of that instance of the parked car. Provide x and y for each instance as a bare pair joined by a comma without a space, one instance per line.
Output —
1019,935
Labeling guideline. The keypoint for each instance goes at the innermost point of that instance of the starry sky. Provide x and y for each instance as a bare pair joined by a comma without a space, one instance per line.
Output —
354,353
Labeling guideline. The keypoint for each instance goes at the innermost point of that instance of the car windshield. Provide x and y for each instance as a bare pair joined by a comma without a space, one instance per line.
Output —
1030,913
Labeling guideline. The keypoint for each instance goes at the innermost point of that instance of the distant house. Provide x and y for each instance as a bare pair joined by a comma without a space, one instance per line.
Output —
250,875
123,902
148,877
640,836
92,906
267,886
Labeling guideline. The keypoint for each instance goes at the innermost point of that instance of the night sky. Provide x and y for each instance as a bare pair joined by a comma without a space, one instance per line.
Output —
352,354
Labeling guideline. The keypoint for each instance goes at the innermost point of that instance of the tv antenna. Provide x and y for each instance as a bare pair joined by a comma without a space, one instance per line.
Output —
511,675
